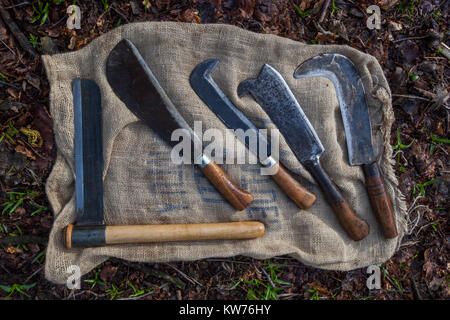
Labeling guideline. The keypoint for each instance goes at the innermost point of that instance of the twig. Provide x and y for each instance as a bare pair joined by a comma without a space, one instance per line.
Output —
120,13
410,96
9,84
191,280
17,5
10,49
162,275
268,277
23,41
416,290
34,273
138,297
411,38
23,240
322,30
324,10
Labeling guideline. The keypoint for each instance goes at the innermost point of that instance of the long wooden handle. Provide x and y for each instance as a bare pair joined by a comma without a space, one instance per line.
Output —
238,198
302,197
380,200
355,227
84,237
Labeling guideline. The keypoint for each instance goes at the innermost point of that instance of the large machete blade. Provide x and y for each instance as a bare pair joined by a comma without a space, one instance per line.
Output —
350,92
88,152
284,110
205,87
136,85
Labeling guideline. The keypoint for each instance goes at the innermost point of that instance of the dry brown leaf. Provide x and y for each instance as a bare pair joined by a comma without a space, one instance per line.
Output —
247,7
386,4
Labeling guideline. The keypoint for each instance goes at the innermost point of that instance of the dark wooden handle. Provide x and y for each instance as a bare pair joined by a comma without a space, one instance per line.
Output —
302,197
85,237
356,228
380,200
238,198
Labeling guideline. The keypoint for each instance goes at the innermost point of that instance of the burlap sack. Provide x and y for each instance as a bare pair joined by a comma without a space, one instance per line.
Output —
141,185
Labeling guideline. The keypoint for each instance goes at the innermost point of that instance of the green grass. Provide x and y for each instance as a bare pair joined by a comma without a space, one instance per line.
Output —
407,7
105,5
315,294
413,76
40,12
263,290
40,257
113,292
400,144
420,187
20,288
34,40
334,8
10,132
302,13
96,280
438,140
19,233
138,293
15,200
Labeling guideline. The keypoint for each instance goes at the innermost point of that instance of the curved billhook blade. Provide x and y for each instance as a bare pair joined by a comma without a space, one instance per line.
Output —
350,92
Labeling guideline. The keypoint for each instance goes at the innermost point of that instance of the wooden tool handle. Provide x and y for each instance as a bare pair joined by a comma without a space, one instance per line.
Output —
380,200
104,235
356,228
302,197
238,198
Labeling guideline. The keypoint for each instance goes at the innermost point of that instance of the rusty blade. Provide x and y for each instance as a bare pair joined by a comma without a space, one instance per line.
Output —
350,93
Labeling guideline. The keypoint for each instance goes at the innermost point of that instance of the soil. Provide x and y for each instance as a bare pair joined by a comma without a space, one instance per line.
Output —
411,47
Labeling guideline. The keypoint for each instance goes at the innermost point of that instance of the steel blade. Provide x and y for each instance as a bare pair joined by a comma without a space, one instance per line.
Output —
135,84
273,94
88,152
205,87
350,92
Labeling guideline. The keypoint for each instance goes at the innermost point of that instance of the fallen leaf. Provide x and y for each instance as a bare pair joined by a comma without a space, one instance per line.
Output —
23,150
246,7
386,4
33,80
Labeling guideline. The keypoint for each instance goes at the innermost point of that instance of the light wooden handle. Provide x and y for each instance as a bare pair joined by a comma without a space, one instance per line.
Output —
183,232
302,197
84,237
238,198
380,200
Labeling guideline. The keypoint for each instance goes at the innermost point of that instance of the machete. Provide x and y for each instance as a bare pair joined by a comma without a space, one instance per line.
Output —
205,87
355,115
272,93
90,230
135,84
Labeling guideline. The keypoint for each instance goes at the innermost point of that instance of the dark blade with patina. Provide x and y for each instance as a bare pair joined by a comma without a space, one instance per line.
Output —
136,85
205,87
88,152
284,110
273,94
355,115
350,92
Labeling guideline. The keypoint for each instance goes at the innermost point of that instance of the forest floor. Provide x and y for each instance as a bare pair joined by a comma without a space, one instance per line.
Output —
409,47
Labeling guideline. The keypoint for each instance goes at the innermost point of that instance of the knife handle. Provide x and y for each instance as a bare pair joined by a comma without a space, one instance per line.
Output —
238,198
93,236
355,227
302,197
380,200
